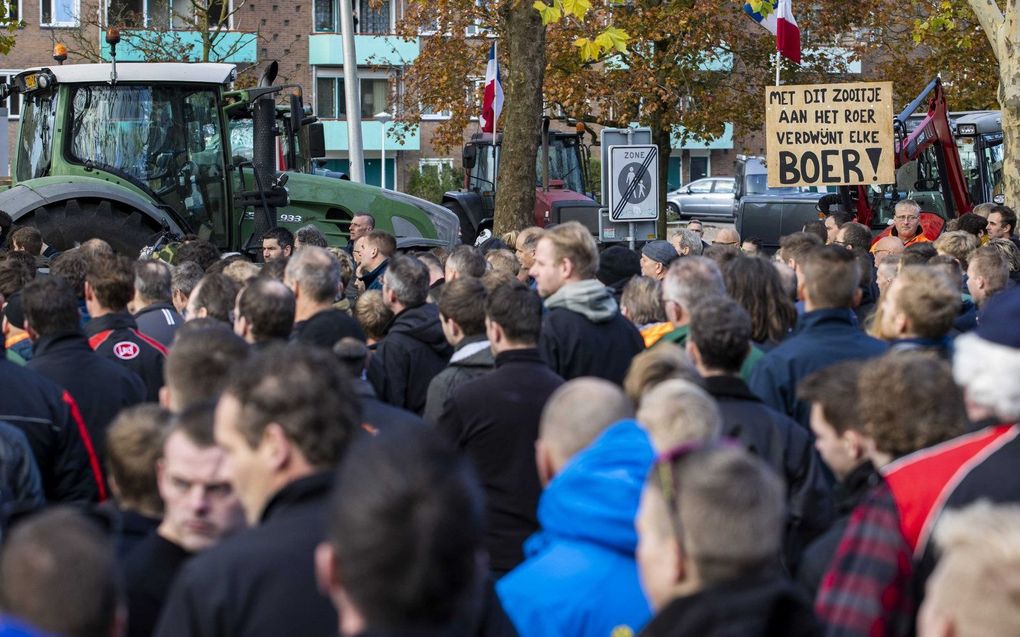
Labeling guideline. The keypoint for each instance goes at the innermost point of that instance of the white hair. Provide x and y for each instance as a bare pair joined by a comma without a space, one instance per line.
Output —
989,373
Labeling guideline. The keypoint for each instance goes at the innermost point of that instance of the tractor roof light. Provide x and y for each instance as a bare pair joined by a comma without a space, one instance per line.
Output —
59,53
966,129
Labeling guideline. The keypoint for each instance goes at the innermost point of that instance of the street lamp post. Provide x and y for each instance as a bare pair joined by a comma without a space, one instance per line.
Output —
383,118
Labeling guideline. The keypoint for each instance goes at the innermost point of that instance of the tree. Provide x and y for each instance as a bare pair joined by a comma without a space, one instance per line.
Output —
1003,33
430,182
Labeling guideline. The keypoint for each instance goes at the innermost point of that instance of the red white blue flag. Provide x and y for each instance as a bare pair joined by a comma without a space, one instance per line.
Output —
492,100
781,24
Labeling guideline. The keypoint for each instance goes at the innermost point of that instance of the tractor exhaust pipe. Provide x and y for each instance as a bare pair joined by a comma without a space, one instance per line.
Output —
264,160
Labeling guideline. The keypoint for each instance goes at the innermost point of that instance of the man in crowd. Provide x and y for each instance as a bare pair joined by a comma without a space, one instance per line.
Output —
462,315
464,261
361,224
827,282
376,415
974,590
313,275
183,280
277,243
907,223
264,312
199,510
494,420
655,259
687,242
372,253
199,363
793,247
987,275
415,349
919,309
213,297
727,237
401,554
153,310
58,574
580,577
833,222
854,236
43,412
99,386
284,421
709,529
29,240
885,247
583,332
690,282
1002,224
840,440
309,235
720,339
112,331
527,241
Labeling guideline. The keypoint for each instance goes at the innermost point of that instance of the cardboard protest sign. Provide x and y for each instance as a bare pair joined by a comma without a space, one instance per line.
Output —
830,134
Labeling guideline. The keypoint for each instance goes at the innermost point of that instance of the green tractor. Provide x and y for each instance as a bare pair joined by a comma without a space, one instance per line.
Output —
141,154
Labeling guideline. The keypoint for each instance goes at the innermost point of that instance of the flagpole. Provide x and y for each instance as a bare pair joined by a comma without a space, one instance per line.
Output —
495,123
779,66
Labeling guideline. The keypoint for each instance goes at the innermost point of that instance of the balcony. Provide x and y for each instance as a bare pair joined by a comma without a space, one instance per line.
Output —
371,50
144,45
371,137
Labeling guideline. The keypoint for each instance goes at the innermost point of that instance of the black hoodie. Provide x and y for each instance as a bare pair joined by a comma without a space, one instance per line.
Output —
409,357
751,606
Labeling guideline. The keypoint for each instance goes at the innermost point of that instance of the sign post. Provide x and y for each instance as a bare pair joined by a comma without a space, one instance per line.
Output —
830,134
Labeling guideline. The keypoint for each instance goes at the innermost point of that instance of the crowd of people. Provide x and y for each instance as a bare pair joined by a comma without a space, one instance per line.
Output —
529,437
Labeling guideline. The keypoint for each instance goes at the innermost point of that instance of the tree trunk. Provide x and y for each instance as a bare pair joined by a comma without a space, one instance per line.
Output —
661,138
521,118
1009,101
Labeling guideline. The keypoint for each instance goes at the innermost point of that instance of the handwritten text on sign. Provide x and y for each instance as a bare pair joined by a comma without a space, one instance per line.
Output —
830,134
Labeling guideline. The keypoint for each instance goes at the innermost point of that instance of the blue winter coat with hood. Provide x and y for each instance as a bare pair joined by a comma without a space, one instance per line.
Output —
580,578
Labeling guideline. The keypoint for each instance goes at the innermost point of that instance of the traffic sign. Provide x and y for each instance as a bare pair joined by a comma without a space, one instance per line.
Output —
634,183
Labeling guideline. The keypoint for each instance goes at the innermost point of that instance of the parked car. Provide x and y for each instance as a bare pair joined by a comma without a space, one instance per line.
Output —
708,197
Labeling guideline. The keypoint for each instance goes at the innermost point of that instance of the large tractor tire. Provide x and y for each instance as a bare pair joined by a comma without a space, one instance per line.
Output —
468,232
72,222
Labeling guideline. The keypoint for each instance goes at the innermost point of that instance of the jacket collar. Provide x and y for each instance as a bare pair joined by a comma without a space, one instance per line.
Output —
732,387
470,347
59,342
114,321
370,277
161,305
301,491
529,355
855,486
817,318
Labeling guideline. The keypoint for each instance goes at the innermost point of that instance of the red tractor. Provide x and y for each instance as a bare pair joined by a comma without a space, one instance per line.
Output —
563,191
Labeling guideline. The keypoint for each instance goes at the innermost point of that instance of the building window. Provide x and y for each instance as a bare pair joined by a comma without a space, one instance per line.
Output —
176,14
331,100
429,113
13,102
58,13
367,19
440,164
700,165
13,11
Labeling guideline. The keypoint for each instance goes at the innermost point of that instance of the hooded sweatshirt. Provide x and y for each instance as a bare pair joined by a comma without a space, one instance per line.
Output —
584,334
409,357
580,577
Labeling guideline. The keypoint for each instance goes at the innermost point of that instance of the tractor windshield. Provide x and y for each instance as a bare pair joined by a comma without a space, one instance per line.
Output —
164,139
564,163
35,146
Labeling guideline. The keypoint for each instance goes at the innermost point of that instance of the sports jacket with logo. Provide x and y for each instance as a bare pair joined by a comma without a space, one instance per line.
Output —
116,337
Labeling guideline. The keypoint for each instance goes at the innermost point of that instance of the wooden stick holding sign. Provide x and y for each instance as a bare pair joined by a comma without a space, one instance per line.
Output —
830,134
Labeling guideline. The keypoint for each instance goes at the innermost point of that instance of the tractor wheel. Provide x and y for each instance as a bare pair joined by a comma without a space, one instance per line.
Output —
468,232
69,223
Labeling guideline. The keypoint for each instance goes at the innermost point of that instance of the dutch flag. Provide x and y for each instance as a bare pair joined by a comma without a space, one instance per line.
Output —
492,101
781,24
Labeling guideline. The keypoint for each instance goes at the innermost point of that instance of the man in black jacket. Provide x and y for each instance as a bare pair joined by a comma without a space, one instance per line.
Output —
583,332
99,387
836,423
313,274
284,420
112,331
154,312
42,411
414,349
709,528
462,316
720,338
495,419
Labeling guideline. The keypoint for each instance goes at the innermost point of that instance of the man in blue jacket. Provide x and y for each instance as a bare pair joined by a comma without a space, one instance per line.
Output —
827,282
580,576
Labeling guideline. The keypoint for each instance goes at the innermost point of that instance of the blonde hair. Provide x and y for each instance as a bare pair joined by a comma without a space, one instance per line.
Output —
677,412
651,367
574,242
977,581
958,244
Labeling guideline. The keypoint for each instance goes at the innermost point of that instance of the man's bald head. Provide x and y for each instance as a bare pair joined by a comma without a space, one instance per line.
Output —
886,246
575,415
727,237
